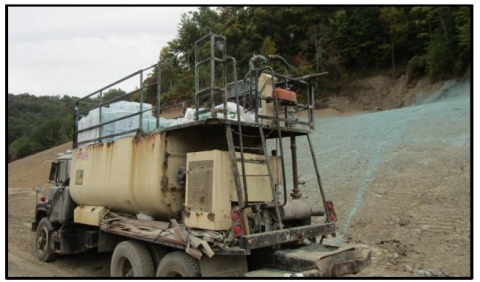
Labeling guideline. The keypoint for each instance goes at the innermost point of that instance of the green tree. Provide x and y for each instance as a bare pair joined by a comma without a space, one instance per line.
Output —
22,147
462,19
396,27
268,47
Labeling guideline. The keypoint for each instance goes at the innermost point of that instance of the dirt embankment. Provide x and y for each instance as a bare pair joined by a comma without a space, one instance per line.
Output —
380,93
400,180
33,170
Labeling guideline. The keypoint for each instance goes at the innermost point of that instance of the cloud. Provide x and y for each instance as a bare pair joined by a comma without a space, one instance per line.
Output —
77,50
32,23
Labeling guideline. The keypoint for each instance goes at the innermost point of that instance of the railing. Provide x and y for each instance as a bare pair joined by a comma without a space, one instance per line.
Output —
100,104
248,95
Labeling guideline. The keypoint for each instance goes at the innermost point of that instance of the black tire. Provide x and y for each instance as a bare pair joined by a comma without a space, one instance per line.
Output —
43,251
178,264
131,259
157,252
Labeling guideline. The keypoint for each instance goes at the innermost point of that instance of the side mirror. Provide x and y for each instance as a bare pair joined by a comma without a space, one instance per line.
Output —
53,172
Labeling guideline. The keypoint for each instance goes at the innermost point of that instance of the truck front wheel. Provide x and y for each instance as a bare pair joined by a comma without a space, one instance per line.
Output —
43,249
178,264
131,259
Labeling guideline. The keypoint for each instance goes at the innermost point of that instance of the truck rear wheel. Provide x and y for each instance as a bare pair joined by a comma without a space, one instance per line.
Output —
43,251
157,252
178,264
131,259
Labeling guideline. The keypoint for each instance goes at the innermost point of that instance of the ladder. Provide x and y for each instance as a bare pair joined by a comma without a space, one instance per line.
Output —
233,159
217,56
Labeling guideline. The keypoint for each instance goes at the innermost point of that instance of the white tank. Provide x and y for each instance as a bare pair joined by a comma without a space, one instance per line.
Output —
132,175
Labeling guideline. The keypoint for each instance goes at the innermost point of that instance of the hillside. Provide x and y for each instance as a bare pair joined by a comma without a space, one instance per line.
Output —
33,170
379,93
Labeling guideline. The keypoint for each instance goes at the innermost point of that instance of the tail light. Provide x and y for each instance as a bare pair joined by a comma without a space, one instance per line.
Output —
237,227
42,199
238,230
332,216
235,216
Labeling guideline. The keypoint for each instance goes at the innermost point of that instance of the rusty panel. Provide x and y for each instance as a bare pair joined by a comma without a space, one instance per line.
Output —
200,187
126,175
197,212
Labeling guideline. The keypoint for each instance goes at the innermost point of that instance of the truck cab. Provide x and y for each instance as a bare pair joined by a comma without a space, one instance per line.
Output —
56,232
59,176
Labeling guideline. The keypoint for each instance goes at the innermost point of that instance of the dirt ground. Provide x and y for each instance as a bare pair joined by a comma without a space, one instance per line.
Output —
415,212
23,176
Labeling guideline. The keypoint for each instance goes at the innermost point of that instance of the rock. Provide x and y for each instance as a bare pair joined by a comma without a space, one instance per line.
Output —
421,272
436,273
408,268
396,256
417,231
424,272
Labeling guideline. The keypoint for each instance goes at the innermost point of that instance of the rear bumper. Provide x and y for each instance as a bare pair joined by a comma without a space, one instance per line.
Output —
265,239
316,260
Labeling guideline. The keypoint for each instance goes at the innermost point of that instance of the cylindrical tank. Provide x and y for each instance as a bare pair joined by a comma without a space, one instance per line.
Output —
132,175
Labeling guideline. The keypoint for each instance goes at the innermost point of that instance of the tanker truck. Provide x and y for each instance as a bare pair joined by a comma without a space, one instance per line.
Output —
199,188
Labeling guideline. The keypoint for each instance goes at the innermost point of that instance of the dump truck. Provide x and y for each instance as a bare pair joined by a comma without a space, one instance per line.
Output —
203,193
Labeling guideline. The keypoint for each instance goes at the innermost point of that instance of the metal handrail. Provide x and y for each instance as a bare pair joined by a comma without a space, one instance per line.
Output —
102,103
116,82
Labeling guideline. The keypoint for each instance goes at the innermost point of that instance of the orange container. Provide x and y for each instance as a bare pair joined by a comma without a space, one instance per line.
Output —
286,95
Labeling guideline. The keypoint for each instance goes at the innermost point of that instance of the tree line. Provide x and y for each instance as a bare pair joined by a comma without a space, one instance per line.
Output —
346,41
37,123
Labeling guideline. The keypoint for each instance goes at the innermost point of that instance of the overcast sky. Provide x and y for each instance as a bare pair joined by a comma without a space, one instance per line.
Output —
78,50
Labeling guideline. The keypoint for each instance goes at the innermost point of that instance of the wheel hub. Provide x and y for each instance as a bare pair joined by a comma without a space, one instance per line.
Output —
42,240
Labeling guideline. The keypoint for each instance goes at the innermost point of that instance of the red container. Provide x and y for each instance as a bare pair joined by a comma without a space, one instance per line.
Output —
286,95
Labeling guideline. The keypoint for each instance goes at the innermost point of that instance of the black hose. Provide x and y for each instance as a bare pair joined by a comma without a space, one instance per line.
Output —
282,60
